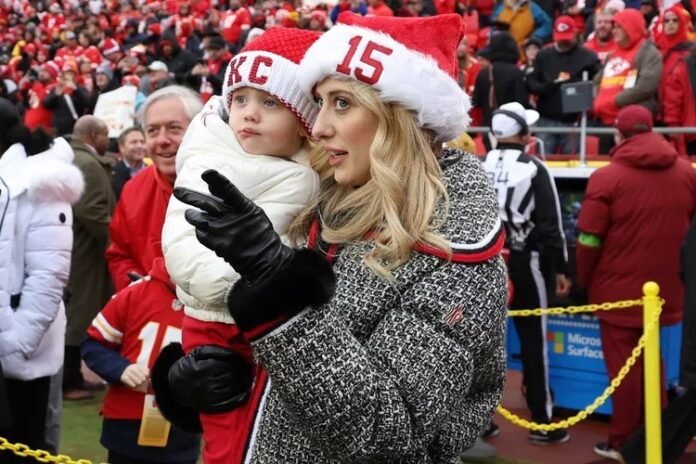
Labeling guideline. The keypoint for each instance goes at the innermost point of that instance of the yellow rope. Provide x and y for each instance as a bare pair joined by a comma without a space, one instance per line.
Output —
575,309
613,385
42,456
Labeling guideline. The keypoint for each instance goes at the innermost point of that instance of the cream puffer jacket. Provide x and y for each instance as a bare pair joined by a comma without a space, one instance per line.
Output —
281,187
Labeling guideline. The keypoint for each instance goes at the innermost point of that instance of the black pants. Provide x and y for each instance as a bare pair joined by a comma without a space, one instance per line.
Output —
28,404
115,458
72,373
678,428
530,292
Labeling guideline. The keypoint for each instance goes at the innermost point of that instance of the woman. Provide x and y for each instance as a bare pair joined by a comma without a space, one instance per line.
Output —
395,352
38,183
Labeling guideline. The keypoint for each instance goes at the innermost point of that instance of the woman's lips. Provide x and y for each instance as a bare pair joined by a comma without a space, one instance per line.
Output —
337,157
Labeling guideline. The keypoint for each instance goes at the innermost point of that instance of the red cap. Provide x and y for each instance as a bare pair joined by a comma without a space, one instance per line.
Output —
634,119
564,28
30,48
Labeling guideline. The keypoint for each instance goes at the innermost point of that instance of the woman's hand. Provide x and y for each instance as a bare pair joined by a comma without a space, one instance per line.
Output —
235,228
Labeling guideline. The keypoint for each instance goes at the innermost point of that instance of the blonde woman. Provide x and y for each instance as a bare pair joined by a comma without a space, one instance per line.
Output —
382,340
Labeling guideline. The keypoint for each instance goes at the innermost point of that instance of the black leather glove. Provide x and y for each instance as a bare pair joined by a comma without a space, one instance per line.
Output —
184,417
235,228
277,281
211,379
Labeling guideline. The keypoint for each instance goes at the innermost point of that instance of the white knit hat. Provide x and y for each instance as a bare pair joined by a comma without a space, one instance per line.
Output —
271,63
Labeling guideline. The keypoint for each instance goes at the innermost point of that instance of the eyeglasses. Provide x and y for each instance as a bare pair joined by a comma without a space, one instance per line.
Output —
673,20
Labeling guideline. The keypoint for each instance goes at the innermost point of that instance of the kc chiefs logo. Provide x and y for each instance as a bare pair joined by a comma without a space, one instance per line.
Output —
256,70
616,66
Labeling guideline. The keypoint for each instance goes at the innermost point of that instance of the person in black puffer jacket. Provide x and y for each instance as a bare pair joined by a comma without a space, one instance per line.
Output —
501,82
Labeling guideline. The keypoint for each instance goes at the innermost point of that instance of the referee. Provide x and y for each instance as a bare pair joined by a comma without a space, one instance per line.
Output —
530,209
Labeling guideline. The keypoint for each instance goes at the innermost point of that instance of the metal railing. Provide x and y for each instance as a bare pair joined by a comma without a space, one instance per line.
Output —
585,131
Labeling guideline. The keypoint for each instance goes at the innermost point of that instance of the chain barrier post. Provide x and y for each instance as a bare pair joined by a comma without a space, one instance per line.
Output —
652,379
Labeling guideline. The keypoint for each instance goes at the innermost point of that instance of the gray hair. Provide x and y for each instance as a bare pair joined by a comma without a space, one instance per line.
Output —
189,99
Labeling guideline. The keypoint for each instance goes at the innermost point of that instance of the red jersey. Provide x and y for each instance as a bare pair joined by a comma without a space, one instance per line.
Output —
138,322
233,23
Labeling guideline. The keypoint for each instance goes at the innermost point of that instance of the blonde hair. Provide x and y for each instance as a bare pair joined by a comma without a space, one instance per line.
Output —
402,204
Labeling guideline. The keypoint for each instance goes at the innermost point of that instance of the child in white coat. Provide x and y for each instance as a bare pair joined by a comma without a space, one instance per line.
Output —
263,150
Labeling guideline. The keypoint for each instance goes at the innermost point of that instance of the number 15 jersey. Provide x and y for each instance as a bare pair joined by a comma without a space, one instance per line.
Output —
137,323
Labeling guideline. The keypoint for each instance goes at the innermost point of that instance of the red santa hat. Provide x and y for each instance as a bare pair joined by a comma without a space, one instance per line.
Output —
51,68
110,46
271,63
92,54
401,60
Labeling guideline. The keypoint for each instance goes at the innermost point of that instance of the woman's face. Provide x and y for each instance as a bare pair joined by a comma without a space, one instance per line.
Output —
671,23
345,130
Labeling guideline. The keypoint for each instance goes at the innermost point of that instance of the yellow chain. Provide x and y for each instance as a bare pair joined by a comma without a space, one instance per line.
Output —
42,456
613,385
575,309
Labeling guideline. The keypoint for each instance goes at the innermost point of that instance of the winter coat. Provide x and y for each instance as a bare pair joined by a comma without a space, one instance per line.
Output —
640,56
507,78
136,228
35,243
548,65
687,374
63,117
526,19
680,95
641,204
282,188
180,61
406,371
89,287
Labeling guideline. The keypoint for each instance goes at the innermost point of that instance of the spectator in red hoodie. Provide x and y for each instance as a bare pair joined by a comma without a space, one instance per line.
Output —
601,40
631,75
672,39
632,222
33,88
679,108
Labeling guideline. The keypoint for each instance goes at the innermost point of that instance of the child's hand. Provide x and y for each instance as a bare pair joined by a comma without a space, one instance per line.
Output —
136,377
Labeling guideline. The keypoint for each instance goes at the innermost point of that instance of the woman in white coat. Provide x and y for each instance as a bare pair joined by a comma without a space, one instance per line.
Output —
38,184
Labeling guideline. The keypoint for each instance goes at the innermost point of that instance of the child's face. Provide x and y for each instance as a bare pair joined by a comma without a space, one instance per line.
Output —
263,125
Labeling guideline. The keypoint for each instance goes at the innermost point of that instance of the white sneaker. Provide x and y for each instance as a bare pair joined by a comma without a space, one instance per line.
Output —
606,451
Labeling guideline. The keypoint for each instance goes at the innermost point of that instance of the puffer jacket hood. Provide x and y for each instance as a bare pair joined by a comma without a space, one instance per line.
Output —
645,151
633,22
48,176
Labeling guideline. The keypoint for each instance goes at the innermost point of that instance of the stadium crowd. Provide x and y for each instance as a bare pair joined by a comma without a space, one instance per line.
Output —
57,59
82,49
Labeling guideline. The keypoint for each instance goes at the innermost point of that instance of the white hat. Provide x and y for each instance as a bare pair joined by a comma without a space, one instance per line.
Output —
506,125
270,63
158,66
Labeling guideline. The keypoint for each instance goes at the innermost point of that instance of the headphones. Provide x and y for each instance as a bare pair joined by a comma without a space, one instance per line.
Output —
519,120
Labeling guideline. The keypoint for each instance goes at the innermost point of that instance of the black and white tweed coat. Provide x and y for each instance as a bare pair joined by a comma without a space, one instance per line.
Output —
408,371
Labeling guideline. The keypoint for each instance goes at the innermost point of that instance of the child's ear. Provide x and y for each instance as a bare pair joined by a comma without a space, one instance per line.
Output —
301,131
